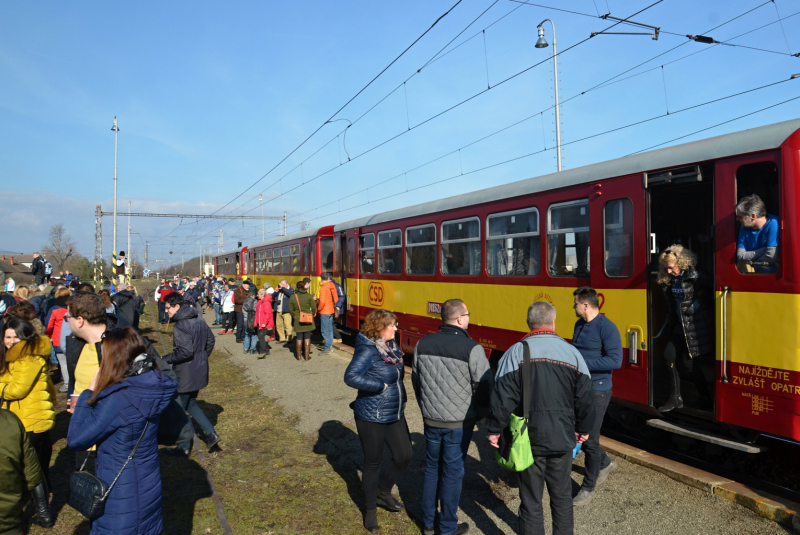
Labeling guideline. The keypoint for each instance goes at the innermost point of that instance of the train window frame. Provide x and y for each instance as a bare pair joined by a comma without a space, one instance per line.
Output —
267,260
366,252
276,260
628,234
351,256
312,246
410,246
766,270
294,257
443,242
305,264
514,236
380,248
566,231
322,266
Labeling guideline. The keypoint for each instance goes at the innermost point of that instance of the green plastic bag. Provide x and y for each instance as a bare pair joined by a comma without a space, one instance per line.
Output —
515,446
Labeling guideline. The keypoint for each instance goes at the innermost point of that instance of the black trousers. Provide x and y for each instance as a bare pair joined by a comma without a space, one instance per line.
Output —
676,355
43,447
227,320
239,326
373,436
594,455
554,471
263,344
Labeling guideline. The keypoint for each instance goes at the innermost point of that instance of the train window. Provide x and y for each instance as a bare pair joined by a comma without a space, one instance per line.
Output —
513,243
305,257
367,252
618,238
286,260
461,247
568,239
313,248
351,256
276,260
421,250
295,256
268,261
757,244
326,254
390,252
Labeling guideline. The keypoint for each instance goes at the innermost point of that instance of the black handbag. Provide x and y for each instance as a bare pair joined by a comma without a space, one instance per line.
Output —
88,493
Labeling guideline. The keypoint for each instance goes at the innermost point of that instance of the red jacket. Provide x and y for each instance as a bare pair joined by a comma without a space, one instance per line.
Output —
55,324
264,317
164,292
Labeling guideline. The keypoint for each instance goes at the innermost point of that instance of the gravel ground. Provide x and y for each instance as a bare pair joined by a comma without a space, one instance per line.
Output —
633,500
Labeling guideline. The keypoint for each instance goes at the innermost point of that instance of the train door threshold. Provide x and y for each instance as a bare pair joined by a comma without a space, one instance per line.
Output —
705,436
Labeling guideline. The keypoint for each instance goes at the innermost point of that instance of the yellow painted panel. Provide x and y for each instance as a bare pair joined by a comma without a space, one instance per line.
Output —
762,329
503,306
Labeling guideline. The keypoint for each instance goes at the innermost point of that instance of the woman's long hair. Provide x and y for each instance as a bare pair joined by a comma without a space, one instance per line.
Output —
679,254
24,331
22,292
106,295
120,348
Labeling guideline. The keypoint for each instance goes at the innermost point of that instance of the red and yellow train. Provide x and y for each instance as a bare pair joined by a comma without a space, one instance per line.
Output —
602,225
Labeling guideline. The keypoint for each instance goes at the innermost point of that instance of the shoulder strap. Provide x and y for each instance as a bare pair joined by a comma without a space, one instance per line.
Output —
525,370
298,302
136,447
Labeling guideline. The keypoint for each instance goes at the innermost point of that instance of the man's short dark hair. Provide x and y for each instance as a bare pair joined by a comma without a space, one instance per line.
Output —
84,287
174,299
588,295
452,309
89,306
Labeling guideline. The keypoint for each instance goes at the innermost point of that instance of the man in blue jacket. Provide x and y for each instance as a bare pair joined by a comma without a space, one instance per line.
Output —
597,339
193,342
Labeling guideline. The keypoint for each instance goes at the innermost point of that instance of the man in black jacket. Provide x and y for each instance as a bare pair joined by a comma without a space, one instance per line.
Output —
127,304
37,268
561,413
193,342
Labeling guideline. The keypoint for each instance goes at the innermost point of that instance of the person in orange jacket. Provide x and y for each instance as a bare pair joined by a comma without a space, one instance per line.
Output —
326,307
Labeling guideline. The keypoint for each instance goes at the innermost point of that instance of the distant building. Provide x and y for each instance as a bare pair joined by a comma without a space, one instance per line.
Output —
16,266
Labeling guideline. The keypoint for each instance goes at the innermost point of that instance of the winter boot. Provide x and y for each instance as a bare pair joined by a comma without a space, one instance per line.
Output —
674,401
298,354
307,348
44,517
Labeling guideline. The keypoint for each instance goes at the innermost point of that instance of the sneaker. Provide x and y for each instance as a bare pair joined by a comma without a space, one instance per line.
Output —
603,474
223,331
271,339
64,388
230,331
428,531
462,528
583,497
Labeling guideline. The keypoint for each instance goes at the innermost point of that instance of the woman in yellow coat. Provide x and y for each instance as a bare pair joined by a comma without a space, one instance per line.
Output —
25,386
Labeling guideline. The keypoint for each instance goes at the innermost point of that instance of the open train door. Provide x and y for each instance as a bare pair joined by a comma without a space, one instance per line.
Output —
618,271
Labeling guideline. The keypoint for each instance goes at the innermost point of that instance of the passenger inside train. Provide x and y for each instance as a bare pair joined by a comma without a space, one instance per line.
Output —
757,244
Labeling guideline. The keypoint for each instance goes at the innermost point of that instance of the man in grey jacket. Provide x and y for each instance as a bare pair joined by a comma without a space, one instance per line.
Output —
453,384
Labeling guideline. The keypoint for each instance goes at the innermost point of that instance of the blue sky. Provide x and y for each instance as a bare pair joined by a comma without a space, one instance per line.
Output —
211,96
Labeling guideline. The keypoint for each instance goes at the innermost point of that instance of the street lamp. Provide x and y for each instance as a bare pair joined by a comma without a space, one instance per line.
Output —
261,198
542,43
114,238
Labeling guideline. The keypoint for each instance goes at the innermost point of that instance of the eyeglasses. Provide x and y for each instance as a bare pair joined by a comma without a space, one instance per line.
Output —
462,315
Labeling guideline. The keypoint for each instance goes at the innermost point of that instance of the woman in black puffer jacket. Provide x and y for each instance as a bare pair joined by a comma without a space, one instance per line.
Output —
377,372
689,297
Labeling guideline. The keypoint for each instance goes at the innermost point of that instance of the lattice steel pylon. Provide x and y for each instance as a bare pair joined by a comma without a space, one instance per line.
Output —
98,242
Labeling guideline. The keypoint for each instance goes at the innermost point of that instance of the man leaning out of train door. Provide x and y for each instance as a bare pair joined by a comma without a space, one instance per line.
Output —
757,246
598,340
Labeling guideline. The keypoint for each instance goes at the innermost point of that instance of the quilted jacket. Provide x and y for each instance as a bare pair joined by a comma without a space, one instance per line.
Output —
26,387
368,373
696,314
451,378
115,422
264,317
19,472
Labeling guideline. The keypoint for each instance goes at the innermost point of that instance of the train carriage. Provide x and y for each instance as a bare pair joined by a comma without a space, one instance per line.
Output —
604,225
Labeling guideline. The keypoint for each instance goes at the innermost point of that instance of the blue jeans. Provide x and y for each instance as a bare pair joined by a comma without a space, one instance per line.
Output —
217,313
446,450
250,341
188,401
326,326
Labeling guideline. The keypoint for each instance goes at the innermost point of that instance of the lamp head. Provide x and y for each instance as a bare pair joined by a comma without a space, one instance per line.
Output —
541,42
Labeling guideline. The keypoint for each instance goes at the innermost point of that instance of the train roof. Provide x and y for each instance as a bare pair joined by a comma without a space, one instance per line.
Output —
232,251
742,142
288,237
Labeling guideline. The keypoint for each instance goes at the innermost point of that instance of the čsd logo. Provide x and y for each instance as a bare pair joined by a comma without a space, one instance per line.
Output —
375,293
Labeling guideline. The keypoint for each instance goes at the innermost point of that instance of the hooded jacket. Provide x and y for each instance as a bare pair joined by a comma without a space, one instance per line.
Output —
127,303
25,386
264,317
368,372
19,472
55,321
115,422
696,311
328,297
192,343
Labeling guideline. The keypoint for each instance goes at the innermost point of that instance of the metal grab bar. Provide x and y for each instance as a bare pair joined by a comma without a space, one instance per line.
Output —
725,291
633,347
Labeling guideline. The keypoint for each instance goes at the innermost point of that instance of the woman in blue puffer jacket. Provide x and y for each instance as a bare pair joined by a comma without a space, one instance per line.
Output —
127,392
377,372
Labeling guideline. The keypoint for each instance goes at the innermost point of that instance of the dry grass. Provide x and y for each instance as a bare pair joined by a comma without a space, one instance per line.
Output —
267,474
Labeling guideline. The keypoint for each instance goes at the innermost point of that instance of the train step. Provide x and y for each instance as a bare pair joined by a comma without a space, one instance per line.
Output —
705,436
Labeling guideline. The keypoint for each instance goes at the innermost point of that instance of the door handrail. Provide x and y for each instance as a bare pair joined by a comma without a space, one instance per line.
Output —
725,291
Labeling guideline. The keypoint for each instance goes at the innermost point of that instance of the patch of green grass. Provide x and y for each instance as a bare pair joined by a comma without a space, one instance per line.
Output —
267,474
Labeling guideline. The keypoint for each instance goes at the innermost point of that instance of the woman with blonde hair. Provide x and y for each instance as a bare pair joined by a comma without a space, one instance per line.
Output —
377,372
689,296
22,293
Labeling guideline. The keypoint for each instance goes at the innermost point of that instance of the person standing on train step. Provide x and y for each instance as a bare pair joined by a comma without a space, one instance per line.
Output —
453,384
280,304
326,308
598,340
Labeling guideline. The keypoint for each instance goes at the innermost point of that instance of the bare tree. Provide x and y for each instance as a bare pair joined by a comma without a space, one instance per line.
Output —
60,247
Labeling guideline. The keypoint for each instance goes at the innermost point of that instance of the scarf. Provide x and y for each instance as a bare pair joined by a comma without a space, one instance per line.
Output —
389,352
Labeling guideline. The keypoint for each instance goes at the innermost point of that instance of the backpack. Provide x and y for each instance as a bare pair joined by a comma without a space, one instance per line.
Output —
48,268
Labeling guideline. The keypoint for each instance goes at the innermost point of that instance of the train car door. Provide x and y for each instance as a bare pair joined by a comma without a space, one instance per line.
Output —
342,266
681,212
618,268
349,314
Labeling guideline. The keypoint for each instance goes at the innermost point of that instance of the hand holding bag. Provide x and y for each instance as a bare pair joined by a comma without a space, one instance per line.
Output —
515,452
88,493
305,317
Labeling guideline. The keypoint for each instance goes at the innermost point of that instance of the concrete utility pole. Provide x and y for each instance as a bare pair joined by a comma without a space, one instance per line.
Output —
130,254
219,245
114,236
98,242
201,257
285,226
